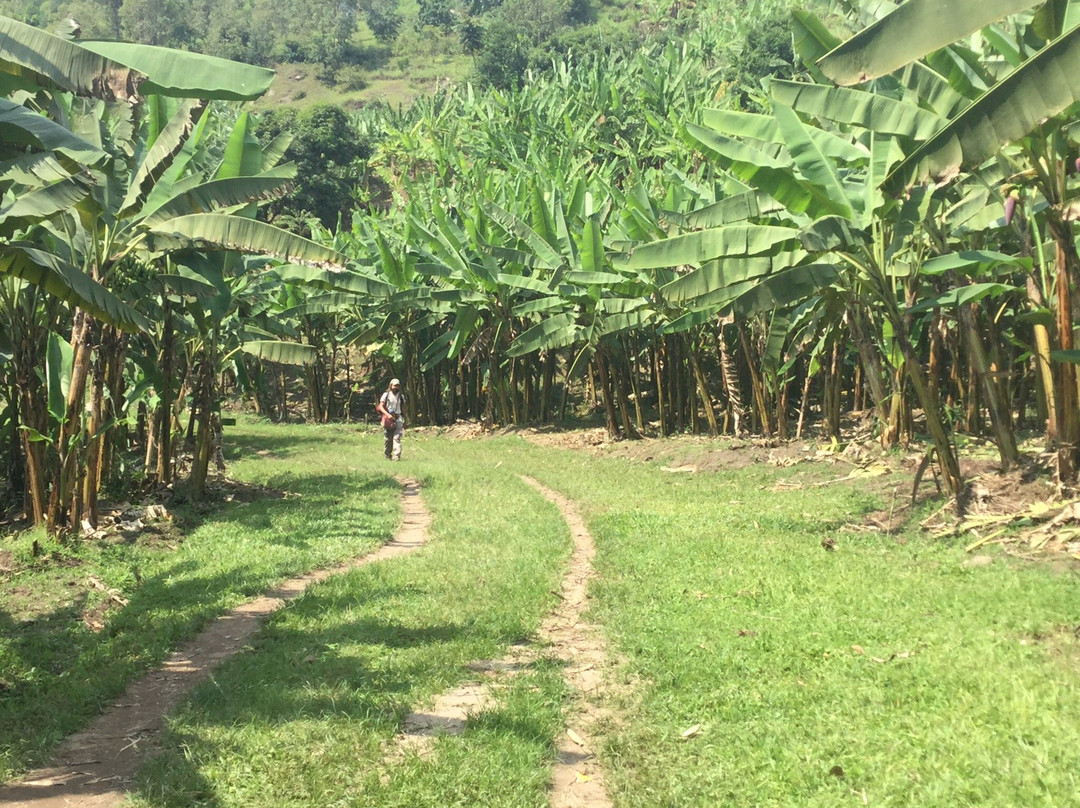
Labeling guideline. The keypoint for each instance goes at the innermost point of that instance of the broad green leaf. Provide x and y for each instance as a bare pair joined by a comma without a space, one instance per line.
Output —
185,74
19,125
691,319
65,63
554,332
785,288
217,194
970,261
243,153
1043,87
816,166
326,303
831,233
812,39
464,324
70,285
705,245
540,305
911,31
287,353
59,360
717,276
341,280
524,282
184,286
592,251
766,128
546,255
235,233
44,203
167,145
873,111
739,208
763,172
971,293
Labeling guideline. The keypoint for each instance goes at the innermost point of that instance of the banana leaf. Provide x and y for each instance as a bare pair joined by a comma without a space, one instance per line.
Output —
238,234
20,126
696,248
554,332
287,353
1040,89
69,284
716,276
207,197
914,29
184,74
875,112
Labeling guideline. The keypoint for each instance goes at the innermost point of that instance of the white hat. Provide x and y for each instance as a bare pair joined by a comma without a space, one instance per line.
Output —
395,381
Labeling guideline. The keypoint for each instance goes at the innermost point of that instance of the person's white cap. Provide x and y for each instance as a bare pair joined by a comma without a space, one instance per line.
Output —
395,381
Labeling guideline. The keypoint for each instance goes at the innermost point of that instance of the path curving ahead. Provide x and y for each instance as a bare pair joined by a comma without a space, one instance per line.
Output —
94,767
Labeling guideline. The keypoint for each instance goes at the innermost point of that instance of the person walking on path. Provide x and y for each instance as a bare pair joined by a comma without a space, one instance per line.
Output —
391,407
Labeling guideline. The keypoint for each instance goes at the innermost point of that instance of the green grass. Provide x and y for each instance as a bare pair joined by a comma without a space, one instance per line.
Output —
885,672
303,717
56,672
720,596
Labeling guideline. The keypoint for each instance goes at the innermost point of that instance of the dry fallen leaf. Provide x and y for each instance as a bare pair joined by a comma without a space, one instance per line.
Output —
857,649
694,730
575,737
583,778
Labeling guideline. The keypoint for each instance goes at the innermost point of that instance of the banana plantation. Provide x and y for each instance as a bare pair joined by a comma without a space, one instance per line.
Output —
890,231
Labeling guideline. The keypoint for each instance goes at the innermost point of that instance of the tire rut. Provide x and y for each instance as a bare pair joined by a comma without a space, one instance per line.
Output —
577,778
94,767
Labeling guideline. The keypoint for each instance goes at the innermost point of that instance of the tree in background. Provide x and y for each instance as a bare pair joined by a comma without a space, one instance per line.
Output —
767,51
327,151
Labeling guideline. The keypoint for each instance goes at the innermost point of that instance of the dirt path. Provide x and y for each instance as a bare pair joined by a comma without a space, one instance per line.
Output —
577,778
94,767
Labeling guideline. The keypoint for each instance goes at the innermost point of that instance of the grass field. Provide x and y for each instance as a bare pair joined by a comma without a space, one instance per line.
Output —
822,667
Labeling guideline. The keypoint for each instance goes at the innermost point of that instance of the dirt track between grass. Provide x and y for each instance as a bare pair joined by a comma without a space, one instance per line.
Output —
94,767
577,777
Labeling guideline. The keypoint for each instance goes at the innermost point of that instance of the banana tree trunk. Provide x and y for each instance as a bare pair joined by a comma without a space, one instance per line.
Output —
703,391
870,357
606,395
64,501
32,412
1000,411
204,407
95,427
1068,405
948,464
761,406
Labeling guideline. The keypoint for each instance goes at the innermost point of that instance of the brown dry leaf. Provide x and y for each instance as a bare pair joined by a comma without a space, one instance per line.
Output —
746,632
575,737
693,731
858,649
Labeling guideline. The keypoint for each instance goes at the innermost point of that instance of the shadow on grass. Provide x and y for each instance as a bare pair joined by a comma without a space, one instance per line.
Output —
335,674
280,447
56,673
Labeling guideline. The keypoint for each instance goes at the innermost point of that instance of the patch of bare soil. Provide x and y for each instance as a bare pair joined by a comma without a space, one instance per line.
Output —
95,766
577,777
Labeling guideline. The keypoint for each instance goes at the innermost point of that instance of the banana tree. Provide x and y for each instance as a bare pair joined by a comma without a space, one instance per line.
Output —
1029,109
